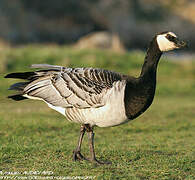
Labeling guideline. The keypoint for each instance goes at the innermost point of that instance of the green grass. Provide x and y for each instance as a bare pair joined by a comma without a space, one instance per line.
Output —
158,145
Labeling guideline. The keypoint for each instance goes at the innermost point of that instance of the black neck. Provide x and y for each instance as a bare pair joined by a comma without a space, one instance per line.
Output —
139,92
151,61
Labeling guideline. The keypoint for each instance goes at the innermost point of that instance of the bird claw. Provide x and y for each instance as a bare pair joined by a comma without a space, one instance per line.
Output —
77,156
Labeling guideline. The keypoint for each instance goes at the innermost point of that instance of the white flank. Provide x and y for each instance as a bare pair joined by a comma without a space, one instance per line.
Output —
164,44
111,114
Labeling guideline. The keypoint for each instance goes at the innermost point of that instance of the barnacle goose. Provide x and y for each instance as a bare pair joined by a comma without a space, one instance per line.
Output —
95,97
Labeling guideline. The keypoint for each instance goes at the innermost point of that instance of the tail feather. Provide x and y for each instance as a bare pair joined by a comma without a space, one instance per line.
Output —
31,77
47,66
18,86
23,75
17,97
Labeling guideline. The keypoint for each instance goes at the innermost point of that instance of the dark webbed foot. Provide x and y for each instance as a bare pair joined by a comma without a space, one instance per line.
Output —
77,152
101,162
78,156
91,146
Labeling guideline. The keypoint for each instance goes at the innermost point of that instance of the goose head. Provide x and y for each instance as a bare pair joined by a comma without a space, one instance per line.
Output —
168,41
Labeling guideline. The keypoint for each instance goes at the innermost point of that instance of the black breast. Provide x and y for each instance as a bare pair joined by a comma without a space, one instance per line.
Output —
138,96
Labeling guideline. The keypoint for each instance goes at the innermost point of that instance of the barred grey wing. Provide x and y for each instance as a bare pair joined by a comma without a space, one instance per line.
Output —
67,87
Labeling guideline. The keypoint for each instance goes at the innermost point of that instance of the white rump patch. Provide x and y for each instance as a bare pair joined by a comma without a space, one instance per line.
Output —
164,44
31,97
57,108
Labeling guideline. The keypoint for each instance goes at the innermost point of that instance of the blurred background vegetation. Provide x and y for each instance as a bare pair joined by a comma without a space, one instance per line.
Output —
65,22
158,145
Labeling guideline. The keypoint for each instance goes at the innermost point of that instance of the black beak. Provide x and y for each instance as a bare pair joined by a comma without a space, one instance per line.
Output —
180,44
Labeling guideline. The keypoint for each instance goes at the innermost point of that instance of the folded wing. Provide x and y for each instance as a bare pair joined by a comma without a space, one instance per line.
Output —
67,87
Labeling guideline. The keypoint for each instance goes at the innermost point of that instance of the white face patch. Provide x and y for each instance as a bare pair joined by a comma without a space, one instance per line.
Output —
171,33
164,44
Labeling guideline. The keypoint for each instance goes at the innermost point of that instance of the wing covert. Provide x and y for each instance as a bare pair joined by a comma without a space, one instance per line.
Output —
77,87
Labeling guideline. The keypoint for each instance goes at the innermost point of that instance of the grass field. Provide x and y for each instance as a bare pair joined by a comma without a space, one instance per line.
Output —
160,144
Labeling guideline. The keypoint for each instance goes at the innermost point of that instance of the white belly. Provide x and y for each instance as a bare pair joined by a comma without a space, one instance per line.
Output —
111,114
103,117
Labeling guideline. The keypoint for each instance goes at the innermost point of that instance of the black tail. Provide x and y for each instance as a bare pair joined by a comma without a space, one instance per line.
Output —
20,85
17,97
23,75
30,76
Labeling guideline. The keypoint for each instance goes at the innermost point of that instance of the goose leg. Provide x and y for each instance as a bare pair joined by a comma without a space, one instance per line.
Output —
77,152
91,146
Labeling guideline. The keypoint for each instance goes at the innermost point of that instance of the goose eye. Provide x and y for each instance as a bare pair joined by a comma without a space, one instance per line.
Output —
171,38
